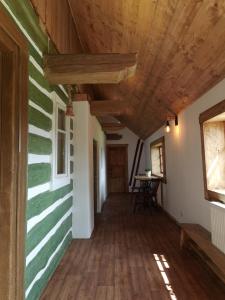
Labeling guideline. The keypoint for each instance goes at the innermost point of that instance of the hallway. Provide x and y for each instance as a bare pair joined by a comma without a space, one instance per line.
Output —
131,257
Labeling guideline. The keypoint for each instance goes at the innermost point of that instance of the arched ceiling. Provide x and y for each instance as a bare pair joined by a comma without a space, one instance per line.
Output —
180,46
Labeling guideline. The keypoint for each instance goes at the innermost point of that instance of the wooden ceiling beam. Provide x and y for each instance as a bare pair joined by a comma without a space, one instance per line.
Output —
112,126
110,108
89,68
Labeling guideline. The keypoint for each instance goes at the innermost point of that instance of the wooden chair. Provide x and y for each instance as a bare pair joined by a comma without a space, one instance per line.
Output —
146,196
154,185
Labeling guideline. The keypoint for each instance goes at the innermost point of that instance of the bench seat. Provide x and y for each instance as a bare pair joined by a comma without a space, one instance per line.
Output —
199,239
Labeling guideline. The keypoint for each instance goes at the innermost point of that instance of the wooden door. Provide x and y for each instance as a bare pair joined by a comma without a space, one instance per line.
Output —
13,154
117,168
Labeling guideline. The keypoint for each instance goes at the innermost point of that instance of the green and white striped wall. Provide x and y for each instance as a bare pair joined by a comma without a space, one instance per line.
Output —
49,212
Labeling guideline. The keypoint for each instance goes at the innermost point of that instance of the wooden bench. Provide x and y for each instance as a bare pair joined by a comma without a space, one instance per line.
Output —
199,239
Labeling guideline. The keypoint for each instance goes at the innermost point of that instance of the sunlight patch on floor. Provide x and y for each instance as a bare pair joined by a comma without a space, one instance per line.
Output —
162,263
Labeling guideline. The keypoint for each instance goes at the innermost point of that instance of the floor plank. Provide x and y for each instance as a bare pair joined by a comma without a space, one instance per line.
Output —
132,257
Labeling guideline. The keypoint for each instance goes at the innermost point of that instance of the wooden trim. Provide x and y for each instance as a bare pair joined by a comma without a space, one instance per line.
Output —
134,161
203,117
126,174
138,163
154,143
13,171
212,112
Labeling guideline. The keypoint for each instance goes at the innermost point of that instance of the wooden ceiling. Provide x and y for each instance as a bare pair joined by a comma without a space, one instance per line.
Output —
180,46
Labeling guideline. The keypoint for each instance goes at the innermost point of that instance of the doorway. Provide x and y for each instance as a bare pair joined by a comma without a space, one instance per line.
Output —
117,168
13,156
95,175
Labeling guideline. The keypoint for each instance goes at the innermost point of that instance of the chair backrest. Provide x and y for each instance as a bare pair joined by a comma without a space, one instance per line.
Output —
154,186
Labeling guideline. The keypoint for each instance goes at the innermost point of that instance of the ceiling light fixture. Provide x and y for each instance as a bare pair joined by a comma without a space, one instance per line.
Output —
69,106
175,118
167,126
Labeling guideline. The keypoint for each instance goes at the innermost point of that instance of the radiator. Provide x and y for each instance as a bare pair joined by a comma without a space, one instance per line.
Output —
218,225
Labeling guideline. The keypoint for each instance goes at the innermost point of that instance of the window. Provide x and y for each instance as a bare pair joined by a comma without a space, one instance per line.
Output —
61,142
157,152
212,124
61,146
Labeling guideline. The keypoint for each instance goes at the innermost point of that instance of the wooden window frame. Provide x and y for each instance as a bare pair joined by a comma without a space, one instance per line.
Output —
13,185
203,117
64,132
59,180
160,140
161,159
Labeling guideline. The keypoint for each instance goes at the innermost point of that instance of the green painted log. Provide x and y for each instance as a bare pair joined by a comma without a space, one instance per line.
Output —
40,230
41,259
71,150
40,99
60,93
39,78
39,120
41,283
38,174
33,52
71,167
24,12
39,145
39,203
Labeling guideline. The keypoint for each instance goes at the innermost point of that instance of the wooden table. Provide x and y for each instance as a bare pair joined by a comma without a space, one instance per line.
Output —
146,179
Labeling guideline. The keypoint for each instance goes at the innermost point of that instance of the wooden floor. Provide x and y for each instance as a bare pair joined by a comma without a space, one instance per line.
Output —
132,257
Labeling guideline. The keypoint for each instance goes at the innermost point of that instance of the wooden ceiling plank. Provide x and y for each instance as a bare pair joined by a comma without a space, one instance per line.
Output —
89,68
180,46
112,126
109,108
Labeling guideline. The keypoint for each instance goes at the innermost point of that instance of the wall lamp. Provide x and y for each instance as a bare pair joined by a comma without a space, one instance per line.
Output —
69,107
175,118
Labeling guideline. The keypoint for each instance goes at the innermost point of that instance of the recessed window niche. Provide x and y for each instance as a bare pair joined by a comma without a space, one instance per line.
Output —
212,124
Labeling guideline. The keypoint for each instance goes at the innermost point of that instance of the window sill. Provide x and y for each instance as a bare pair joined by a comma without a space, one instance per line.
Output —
59,182
215,195
220,206
160,176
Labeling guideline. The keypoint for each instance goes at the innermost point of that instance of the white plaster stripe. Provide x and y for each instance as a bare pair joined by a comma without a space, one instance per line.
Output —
22,28
37,107
36,65
63,89
43,242
38,131
41,272
38,159
37,219
34,191
43,90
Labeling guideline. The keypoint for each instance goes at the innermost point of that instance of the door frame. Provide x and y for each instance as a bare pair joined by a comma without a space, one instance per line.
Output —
13,171
96,169
126,163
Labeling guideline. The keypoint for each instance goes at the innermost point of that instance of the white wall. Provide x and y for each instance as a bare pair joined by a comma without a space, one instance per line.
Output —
86,129
128,137
184,191
98,135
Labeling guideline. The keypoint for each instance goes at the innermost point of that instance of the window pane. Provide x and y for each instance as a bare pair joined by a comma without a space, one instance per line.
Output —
61,153
61,119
